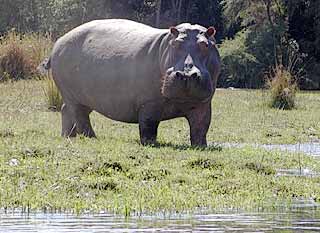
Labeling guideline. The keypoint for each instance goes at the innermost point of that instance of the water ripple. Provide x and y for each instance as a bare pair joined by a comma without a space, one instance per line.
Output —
296,220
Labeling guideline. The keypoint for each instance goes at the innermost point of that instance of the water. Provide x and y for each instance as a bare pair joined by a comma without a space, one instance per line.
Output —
303,172
312,149
302,217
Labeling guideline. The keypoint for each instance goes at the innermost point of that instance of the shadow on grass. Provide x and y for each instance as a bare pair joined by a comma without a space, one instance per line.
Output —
211,147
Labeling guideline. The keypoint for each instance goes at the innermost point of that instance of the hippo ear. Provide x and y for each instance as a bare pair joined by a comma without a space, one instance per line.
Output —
211,31
174,31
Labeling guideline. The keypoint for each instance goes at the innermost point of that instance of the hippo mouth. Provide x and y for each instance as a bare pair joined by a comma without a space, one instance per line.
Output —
183,88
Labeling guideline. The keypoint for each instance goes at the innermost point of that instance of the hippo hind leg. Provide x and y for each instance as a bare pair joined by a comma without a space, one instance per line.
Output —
68,121
75,120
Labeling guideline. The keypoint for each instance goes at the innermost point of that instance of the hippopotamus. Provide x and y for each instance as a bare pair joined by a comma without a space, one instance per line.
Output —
134,73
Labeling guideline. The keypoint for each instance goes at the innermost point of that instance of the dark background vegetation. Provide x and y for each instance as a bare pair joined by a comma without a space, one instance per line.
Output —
254,36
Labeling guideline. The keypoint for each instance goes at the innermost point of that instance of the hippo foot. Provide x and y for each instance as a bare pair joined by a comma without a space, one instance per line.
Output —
148,133
87,131
199,142
148,142
75,120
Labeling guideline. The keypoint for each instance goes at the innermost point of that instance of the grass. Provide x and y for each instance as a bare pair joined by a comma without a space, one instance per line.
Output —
52,94
41,170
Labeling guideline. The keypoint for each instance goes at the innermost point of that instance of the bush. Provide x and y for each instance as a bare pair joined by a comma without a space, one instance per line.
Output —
283,88
37,47
52,94
13,61
21,54
240,67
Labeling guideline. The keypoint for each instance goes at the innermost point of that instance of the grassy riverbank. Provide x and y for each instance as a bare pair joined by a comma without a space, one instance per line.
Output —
39,169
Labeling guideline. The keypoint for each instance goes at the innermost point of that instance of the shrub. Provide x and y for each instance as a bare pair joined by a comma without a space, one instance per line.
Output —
21,54
283,88
240,67
13,61
37,47
52,94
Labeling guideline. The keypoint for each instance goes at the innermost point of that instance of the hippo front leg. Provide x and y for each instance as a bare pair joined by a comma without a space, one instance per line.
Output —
149,119
199,121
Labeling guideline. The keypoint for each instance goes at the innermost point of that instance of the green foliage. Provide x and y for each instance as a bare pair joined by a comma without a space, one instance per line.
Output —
240,67
206,13
304,27
59,16
272,26
304,18
263,43
233,11
282,88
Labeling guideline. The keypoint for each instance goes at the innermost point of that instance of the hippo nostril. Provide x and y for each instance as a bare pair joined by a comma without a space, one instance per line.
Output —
179,75
195,76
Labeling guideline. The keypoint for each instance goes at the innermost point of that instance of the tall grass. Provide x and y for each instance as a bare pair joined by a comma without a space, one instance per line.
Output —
20,54
52,94
283,88
284,77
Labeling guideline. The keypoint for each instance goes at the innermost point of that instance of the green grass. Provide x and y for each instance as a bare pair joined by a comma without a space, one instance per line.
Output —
245,116
41,170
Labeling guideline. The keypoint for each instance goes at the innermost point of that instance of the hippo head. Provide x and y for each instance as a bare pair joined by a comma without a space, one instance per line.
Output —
191,63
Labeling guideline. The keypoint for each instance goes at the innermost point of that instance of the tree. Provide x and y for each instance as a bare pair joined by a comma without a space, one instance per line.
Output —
177,7
158,13
304,26
265,27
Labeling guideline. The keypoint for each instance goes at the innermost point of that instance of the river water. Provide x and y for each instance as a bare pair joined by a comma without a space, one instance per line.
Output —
312,149
303,217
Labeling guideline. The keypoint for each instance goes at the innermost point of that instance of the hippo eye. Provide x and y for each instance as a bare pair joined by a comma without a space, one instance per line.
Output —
176,44
204,46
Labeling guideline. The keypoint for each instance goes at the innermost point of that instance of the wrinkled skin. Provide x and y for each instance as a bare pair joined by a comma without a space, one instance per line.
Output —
134,73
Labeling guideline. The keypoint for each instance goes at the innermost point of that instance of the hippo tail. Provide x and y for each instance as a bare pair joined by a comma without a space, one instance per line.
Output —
44,67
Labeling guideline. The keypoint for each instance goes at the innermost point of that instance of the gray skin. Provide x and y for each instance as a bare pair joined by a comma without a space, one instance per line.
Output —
134,73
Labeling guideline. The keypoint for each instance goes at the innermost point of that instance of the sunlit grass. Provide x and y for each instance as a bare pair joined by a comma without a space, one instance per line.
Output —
41,170
52,94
